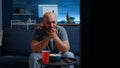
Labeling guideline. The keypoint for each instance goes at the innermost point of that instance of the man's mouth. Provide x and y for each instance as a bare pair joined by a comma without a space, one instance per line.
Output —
49,28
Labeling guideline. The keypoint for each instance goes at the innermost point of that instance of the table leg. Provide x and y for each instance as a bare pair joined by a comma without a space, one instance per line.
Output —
27,27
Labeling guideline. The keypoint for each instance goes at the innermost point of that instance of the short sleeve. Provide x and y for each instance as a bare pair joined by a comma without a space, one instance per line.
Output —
37,35
63,34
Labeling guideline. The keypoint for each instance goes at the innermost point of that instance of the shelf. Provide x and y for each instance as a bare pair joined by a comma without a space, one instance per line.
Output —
21,14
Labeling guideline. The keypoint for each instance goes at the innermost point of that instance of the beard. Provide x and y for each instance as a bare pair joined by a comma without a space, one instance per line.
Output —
49,28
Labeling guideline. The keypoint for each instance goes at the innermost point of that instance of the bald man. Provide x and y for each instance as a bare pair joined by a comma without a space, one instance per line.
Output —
49,37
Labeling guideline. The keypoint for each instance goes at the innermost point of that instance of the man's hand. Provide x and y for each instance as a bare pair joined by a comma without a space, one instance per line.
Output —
52,32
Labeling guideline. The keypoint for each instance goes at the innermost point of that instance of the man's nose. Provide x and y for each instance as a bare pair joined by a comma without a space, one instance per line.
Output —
51,25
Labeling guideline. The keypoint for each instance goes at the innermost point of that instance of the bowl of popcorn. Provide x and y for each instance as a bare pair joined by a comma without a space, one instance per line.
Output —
55,57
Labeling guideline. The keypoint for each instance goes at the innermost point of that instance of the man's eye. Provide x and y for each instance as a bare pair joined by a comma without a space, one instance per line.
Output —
53,22
48,22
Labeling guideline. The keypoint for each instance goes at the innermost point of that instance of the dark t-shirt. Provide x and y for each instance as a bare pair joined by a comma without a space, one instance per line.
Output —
40,34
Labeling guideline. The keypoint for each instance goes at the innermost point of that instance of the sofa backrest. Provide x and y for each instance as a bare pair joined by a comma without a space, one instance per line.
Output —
17,42
74,38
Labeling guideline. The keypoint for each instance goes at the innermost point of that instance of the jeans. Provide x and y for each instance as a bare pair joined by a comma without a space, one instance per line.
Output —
36,56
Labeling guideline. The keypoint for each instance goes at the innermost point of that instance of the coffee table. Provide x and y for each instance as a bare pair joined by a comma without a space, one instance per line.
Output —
63,62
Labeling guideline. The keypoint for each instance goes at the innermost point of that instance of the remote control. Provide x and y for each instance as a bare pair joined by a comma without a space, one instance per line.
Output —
67,60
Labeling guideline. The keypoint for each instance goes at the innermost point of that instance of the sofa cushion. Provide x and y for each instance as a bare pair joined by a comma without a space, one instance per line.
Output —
16,42
14,62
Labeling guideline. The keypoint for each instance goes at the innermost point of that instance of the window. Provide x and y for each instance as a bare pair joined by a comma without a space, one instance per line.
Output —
45,8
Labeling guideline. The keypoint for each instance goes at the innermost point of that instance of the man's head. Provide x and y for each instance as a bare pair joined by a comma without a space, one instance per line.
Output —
49,20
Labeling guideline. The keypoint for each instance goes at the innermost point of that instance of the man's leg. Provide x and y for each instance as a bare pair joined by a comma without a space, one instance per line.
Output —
69,55
33,60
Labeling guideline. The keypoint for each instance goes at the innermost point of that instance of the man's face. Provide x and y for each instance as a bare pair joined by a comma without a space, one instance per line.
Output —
50,22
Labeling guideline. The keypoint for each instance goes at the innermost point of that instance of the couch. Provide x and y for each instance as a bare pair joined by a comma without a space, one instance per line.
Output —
15,47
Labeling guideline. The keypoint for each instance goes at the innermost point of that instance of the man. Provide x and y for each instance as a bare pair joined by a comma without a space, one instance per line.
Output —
49,37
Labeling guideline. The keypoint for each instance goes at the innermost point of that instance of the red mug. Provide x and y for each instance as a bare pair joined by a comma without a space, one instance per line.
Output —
45,56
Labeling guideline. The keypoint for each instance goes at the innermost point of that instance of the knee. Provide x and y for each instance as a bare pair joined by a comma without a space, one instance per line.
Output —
68,54
35,56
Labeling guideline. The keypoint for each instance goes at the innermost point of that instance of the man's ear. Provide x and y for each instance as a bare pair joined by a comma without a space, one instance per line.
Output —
41,23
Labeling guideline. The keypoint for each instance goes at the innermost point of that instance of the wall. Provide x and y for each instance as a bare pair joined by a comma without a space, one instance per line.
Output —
6,12
64,6
72,6
0,15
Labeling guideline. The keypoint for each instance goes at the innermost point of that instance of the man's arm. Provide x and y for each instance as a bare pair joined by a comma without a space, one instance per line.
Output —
39,46
61,45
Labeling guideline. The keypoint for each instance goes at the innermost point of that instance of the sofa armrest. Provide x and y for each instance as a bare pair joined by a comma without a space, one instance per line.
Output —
0,50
